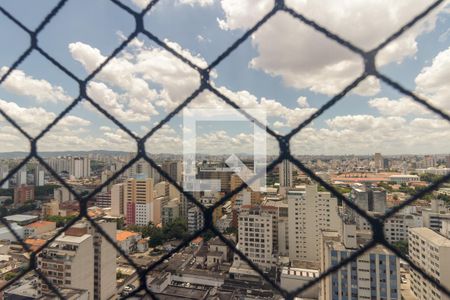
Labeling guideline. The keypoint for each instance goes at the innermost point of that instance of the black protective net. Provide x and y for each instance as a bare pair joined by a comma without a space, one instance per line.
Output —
283,140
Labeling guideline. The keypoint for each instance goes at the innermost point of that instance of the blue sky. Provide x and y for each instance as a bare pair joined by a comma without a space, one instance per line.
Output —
263,71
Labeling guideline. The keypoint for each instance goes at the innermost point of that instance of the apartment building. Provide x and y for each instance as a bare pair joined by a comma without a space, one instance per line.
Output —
81,258
69,262
138,194
78,167
103,199
171,211
396,228
23,194
104,260
433,216
256,232
373,275
309,212
285,177
195,219
62,194
369,198
174,169
430,251
118,205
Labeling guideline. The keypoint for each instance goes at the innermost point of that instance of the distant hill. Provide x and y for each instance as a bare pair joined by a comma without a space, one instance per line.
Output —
45,154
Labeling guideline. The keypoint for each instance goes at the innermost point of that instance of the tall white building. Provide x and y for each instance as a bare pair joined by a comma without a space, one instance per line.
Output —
22,176
396,227
4,169
430,251
118,205
79,167
256,236
83,259
62,194
144,170
309,212
433,216
373,275
104,261
69,262
378,160
369,198
285,176
39,176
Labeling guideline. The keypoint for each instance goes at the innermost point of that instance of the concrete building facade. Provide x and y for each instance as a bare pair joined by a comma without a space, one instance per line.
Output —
309,212
430,251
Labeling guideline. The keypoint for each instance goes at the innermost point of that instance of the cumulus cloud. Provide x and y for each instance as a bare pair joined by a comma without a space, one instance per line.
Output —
400,107
19,83
433,80
364,134
132,111
143,3
151,66
34,119
306,59
197,2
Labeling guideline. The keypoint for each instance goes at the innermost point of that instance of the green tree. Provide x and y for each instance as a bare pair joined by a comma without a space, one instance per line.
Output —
231,230
60,220
156,238
7,192
444,197
429,177
45,190
177,229
402,246
10,276
120,275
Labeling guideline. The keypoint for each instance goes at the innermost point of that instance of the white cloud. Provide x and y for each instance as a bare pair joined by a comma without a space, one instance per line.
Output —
105,128
34,119
141,3
197,2
120,106
401,107
364,134
22,84
119,72
302,102
305,59
433,81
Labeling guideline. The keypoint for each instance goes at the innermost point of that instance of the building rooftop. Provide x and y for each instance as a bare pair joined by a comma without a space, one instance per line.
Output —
21,218
122,235
14,226
197,241
34,244
432,236
72,239
38,224
216,241
215,253
178,292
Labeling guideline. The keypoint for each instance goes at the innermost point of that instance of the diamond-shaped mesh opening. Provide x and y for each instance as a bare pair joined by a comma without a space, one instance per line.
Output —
142,283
